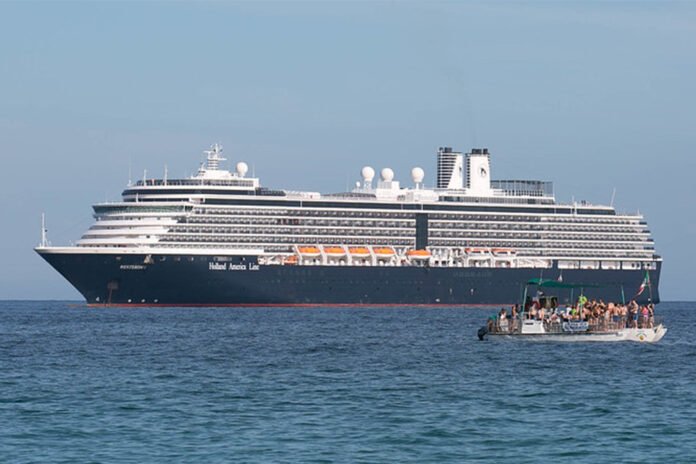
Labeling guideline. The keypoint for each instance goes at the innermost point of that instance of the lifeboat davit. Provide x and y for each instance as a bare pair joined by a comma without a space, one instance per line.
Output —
384,253
309,252
477,251
418,254
334,251
360,252
504,252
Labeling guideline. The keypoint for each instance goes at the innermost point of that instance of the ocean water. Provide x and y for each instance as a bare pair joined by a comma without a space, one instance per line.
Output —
180,385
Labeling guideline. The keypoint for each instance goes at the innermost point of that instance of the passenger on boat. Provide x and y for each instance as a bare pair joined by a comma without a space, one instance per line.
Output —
582,299
491,324
532,314
599,315
586,311
646,316
633,314
503,321
556,315
606,317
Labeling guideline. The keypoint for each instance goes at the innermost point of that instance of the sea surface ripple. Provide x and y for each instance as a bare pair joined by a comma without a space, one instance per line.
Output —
324,385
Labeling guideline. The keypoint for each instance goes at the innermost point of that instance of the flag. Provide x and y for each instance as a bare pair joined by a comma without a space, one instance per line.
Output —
645,283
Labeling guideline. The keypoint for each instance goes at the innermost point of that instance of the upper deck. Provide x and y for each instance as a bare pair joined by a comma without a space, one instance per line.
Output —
219,209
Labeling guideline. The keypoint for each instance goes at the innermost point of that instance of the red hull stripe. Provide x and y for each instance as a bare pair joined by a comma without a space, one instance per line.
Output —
284,305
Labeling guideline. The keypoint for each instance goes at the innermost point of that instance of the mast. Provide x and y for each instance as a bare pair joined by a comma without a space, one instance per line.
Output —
44,239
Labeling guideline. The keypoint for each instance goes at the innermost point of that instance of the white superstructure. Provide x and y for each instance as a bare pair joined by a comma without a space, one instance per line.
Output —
469,221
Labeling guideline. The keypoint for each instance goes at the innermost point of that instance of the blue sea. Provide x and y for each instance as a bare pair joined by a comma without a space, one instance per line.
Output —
325,385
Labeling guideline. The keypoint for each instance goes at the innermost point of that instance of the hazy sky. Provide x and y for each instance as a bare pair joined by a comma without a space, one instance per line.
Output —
593,96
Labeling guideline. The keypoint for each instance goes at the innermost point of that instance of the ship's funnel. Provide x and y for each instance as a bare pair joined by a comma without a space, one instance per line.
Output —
450,169
478,171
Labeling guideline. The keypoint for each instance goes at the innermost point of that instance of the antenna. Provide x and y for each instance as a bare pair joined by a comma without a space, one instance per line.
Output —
130,163
165,174
213,157
613,194
144,176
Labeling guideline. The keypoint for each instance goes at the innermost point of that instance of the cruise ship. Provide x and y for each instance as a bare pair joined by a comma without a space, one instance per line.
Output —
220,238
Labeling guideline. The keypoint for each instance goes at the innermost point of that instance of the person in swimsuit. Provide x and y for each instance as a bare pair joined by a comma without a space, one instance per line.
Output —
633,314
513,318
646,315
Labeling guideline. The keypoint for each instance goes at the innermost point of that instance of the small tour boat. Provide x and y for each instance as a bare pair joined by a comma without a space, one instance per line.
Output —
558,328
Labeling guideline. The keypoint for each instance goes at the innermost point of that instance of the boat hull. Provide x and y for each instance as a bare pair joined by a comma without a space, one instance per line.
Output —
167,279
649,335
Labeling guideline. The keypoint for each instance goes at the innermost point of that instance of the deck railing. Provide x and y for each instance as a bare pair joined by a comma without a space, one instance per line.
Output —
511,325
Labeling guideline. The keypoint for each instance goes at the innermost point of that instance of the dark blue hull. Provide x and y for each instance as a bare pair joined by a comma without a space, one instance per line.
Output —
206,280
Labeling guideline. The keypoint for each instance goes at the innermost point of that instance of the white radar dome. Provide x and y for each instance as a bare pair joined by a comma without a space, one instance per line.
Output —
367,173
417,175
242,168
387,175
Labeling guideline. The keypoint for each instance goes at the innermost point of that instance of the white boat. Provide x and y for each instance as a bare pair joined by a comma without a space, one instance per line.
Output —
649,330
534,330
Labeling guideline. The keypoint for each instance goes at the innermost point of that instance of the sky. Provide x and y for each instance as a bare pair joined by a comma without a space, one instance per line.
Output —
592,96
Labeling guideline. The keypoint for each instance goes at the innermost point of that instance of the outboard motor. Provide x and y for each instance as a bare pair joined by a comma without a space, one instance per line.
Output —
482,332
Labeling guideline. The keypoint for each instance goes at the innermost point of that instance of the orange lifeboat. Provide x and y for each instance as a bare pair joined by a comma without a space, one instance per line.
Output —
290,260
334,251
360,252
418,254
309,251
384,253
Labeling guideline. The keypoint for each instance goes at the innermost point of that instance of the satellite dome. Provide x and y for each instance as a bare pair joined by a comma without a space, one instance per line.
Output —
417,175
367,173
387,175
242,168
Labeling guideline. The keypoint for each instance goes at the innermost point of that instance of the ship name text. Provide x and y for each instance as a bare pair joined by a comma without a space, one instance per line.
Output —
213,266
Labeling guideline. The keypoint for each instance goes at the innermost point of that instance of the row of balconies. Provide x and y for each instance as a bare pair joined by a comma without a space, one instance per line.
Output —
407,224
392,232
308,211
491,222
